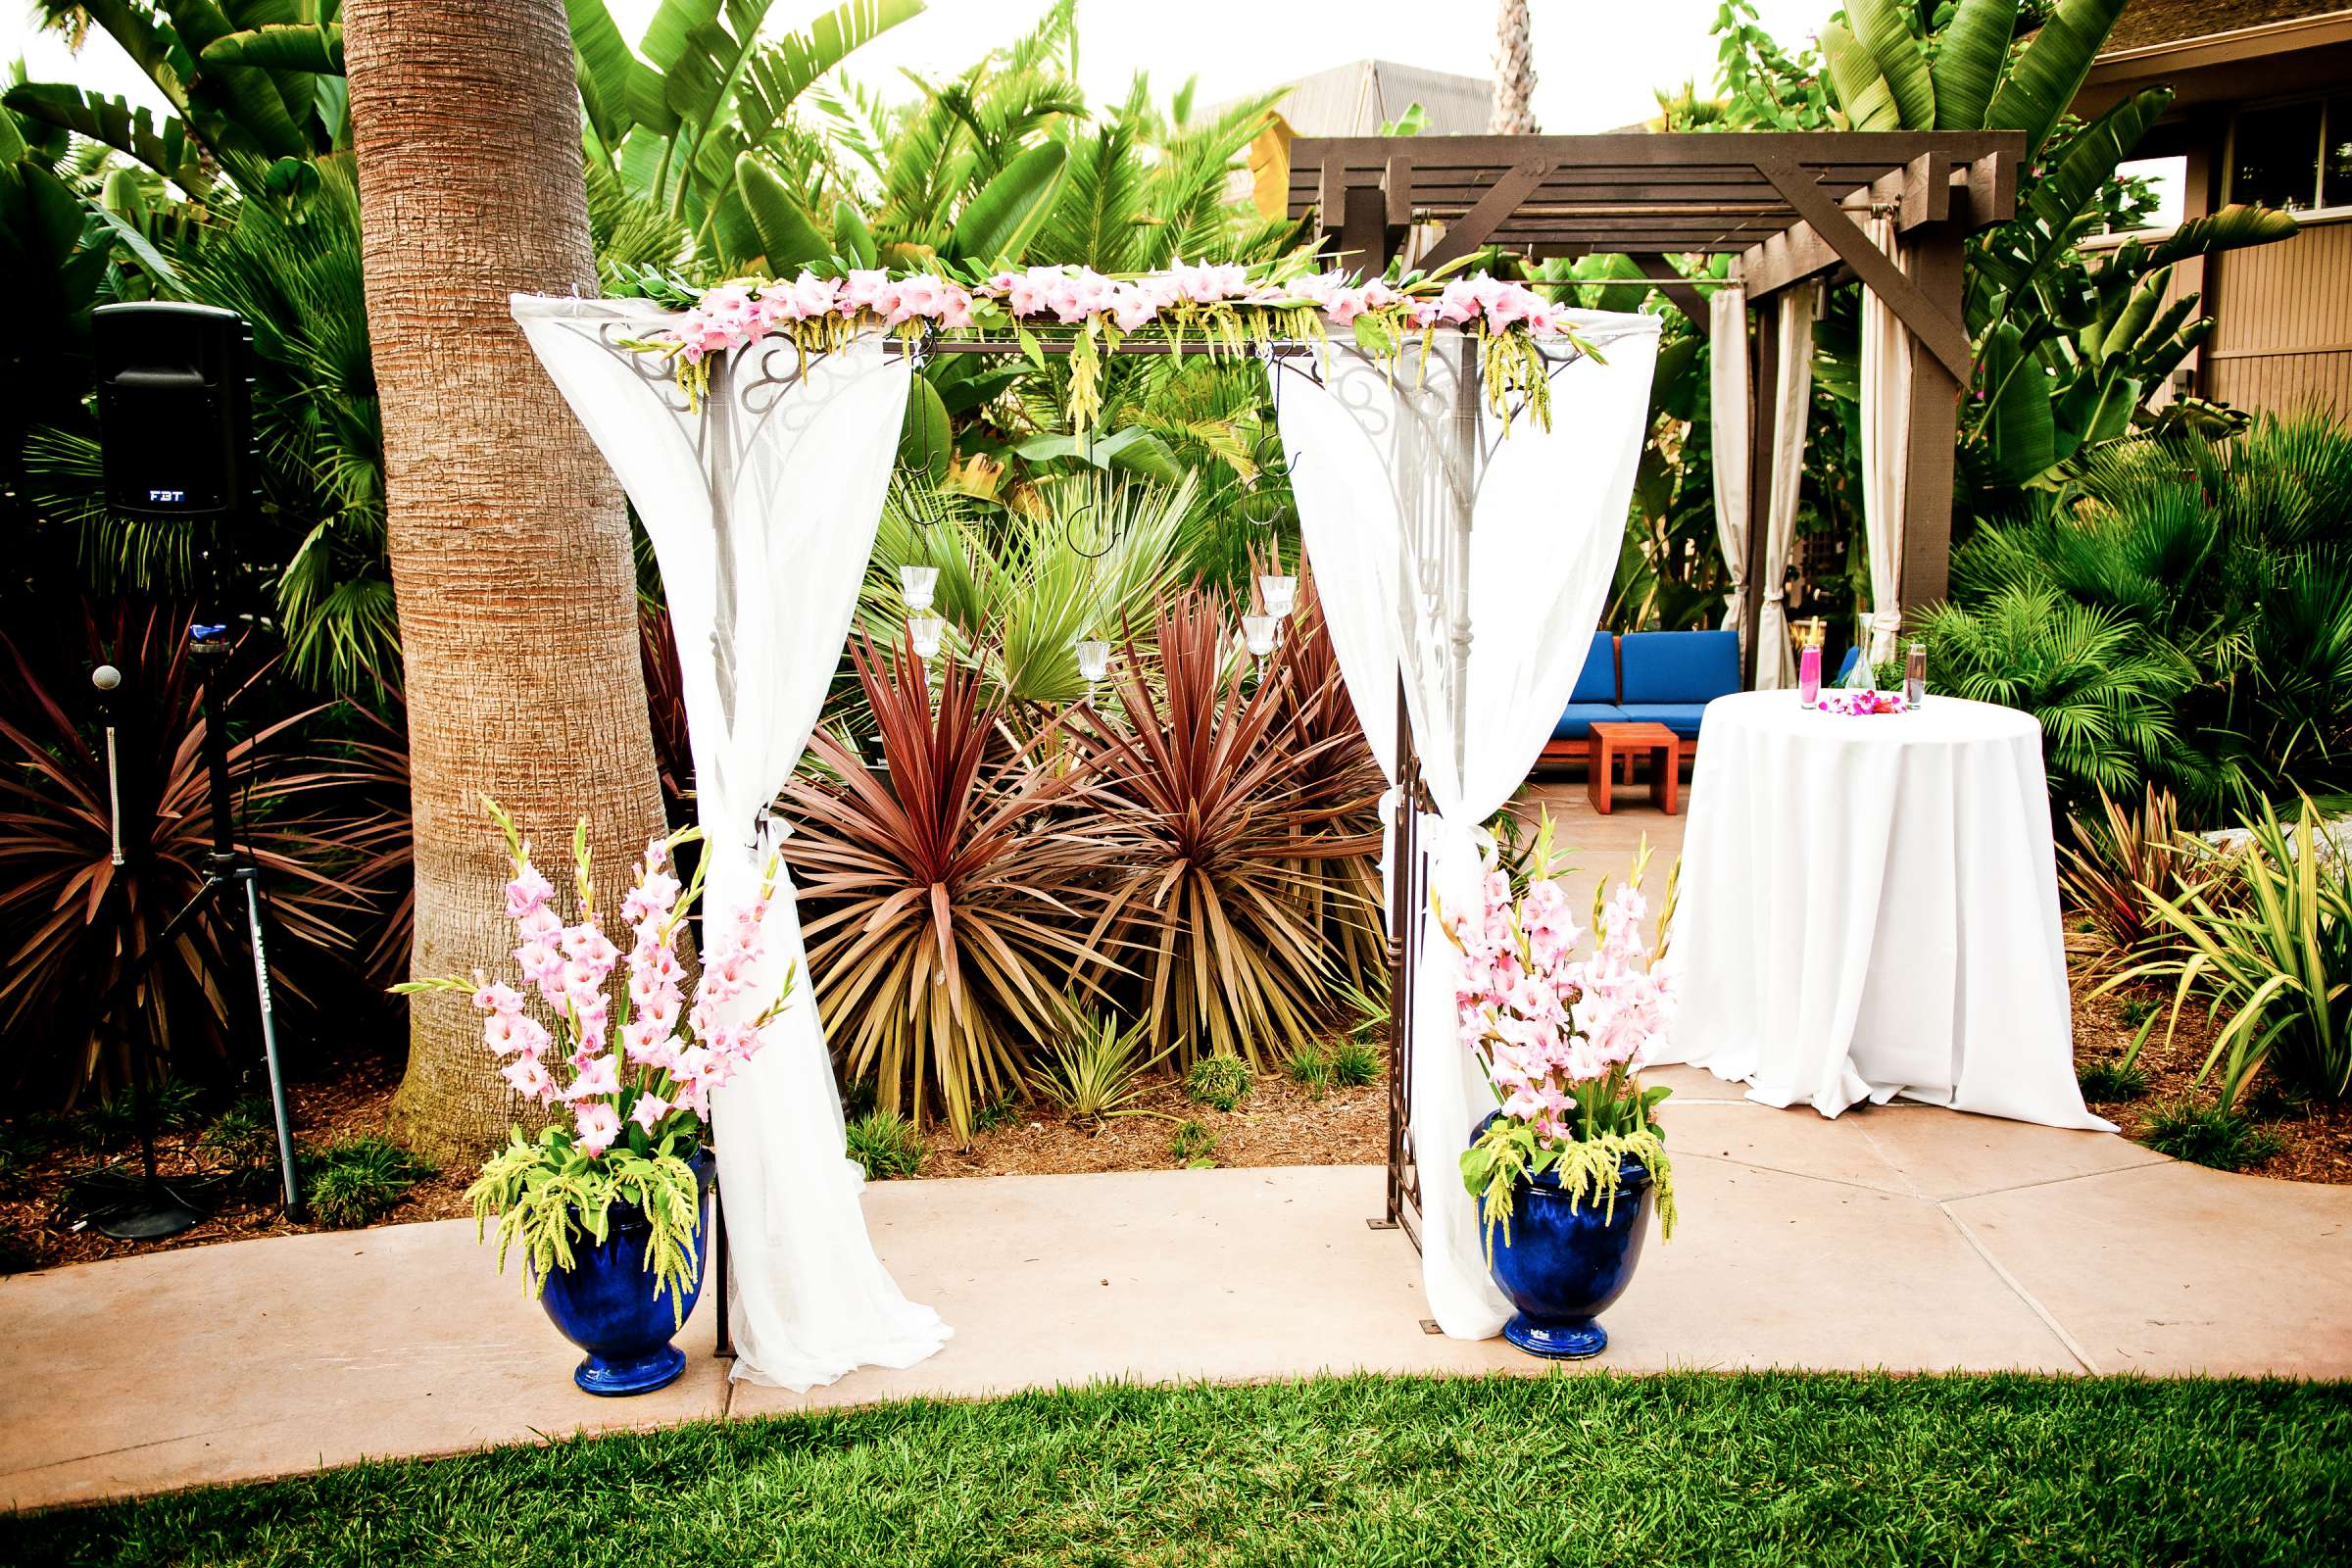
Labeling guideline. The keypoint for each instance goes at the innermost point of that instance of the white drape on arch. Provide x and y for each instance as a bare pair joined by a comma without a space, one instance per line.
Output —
1727,415
1791,412
762,506
1382,460
1885,447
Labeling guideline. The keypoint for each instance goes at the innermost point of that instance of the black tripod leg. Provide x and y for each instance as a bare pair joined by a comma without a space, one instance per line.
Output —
725,1345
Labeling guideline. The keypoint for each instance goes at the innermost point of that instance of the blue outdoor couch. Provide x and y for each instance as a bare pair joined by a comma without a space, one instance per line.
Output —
1668,677
1594,700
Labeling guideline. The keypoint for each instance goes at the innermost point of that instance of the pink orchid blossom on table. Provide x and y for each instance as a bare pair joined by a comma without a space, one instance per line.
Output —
606,1042
1561,1029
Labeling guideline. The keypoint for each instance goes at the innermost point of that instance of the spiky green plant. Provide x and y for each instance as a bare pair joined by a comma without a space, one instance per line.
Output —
2270,952
1220,1081
886,1145
1096,1069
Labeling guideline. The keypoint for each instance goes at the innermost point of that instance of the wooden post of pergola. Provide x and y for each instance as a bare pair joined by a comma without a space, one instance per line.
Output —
1786,205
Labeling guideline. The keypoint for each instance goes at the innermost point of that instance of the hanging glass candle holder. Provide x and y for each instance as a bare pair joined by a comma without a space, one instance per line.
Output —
925,631
1094,661
1278,592
919,585
1258,634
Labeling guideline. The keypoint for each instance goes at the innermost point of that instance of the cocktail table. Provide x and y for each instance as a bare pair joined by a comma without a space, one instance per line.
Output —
1614,743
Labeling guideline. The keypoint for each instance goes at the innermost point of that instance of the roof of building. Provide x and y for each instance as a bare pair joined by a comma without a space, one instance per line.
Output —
1356,99
2146,24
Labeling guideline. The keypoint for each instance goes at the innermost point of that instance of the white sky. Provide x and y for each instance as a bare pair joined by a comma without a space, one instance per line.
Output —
1595,59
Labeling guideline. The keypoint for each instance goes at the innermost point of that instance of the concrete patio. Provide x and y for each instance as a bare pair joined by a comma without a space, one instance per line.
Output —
1902,1238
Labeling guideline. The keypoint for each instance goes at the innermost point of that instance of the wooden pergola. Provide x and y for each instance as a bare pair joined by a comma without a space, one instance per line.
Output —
1784,203
1786,206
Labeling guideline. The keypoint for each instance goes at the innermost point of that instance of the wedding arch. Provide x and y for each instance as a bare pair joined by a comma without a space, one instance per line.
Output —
1460,459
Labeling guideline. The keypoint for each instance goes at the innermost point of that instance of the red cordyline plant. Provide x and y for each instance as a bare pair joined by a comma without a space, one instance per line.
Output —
1338,776
942,907
1217,841
73,923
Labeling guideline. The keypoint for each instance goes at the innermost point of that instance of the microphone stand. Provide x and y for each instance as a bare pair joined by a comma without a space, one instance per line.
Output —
158,1213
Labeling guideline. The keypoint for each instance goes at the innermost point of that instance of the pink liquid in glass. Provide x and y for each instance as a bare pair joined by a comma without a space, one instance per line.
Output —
1808,676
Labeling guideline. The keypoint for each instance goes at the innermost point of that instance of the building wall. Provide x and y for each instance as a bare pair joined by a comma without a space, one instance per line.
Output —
2282,335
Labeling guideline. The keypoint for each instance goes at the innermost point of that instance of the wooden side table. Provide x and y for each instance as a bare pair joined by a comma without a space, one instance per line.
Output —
1612,744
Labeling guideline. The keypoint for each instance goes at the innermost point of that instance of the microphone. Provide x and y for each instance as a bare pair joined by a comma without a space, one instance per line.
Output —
106,678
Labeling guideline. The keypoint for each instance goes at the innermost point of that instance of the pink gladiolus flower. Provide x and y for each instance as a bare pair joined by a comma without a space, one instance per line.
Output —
597,1125
498,997
528,1077
650,1042
650,1109
528,892
601,1075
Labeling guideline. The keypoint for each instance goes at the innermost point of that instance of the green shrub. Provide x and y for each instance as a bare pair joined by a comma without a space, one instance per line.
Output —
111,1123
2109,1083
1098,1073
2212,1135
358,1181
1354,1064
1310,1070
1000,1111
1369,1014
1220,1081
2268,942
244,1137
1193,1143
887,1144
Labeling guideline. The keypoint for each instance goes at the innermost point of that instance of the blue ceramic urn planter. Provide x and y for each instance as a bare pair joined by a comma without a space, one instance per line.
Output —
1565,1263
608,1304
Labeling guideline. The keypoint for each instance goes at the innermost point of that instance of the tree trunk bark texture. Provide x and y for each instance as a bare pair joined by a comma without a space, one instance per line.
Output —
1514,72
508,542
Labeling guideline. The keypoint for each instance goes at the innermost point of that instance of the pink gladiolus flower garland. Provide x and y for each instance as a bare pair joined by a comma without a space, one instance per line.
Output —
1561,1036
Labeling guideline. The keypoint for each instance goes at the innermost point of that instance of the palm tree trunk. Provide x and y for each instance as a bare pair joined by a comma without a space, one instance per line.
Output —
1514,73
509,544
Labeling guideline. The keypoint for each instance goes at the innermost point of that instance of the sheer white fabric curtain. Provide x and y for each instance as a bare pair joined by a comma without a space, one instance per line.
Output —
762,507
1728,415
1380,461
1886,443
1791,407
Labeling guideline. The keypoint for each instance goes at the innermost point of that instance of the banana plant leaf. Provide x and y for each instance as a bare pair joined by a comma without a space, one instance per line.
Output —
1969,57
787,239
313,47
1899,59
2050,70
1860,86
997,223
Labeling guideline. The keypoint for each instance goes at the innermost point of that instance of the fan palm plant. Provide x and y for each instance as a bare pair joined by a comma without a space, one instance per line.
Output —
943,904
1086,555
2105,699
1214,849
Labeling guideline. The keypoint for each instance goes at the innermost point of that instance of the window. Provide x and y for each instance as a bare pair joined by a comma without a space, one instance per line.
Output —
2293,156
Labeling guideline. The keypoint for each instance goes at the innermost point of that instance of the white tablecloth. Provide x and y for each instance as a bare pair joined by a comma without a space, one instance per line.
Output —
1869,907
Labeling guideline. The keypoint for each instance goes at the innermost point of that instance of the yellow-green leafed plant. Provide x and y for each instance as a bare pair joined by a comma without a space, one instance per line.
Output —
547,1193
2271,955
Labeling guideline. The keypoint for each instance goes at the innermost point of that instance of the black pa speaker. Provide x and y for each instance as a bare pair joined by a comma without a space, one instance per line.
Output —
175,409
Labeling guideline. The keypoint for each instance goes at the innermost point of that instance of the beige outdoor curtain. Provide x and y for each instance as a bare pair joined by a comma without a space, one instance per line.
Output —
1886,440
1728,416
1792,401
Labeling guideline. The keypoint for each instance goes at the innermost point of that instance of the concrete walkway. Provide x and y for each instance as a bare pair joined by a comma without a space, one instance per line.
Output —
1902,1238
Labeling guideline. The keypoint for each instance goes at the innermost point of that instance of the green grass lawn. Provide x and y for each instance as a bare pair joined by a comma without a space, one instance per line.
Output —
1690,1468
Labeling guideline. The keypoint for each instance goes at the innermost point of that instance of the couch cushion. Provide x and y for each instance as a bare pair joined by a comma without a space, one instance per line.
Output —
1577,722
1679,666
1597,682
1680,718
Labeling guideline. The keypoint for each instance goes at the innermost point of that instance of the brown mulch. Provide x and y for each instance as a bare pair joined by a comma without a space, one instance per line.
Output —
2316,1138
35,1231
1279,1124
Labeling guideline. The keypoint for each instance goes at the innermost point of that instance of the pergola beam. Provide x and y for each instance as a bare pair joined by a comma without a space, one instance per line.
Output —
1673,284
1472,230
1939,332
